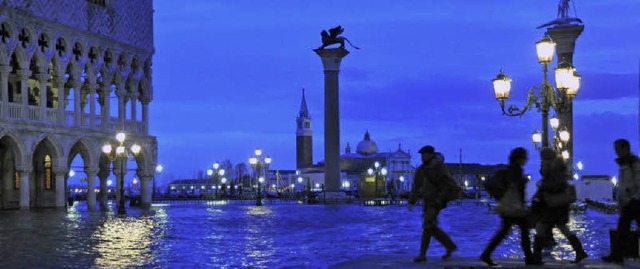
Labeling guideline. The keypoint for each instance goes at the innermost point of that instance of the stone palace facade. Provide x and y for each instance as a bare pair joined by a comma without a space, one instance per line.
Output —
73,73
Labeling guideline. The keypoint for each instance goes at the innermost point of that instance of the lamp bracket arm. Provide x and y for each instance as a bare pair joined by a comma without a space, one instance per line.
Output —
513,110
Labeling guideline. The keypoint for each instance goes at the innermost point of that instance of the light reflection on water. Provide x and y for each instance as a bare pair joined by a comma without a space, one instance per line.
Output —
229,235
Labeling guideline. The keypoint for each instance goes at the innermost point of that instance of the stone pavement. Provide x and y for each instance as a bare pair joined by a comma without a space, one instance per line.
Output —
371,261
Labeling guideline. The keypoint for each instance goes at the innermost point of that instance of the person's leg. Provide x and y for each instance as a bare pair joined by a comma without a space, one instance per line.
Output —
542,229
429,216
575,243
441,236
498,237
525,239
624,227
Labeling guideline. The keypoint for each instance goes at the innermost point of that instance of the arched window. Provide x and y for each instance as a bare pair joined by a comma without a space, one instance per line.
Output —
16,184
47,173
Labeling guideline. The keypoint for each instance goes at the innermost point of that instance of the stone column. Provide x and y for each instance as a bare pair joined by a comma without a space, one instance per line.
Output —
25,198
23,75
331,59
145,188
77,104
61,103
122,99
42,79
103,175
92,104
565,38
61,198
133,97
145,115
106,91
4,89
91,187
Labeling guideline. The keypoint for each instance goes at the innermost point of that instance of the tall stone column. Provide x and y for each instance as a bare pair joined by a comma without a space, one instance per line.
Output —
42,79
4,89
122,99
60,187
106,110
91,188
145,188
60,82
145,116
24,91
77,106
565,38
25,198
331,59
92,104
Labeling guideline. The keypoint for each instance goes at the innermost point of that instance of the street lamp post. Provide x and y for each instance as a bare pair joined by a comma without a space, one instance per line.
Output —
376,171
116,151
259,164
216,173
567,83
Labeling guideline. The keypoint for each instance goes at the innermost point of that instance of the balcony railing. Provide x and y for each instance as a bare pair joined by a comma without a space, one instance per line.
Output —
51,116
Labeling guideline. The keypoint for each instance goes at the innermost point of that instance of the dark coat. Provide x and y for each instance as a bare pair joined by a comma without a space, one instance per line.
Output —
515,175
551,215
428,182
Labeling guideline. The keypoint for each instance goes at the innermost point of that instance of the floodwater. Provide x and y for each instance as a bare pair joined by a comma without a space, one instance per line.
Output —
216,235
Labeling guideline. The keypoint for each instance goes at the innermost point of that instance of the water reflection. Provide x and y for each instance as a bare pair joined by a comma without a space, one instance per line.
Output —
228,235
121,241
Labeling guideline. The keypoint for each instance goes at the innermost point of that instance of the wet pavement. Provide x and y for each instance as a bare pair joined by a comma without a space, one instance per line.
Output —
219,234
405,261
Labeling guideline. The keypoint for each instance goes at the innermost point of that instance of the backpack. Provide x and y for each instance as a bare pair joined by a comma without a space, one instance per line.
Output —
496,185
451,190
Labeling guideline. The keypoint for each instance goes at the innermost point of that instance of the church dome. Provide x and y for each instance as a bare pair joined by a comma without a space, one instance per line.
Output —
366,146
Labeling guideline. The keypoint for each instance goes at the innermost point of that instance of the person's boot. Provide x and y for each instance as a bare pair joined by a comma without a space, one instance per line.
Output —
577,247
612,259
424,244
536,256
486,258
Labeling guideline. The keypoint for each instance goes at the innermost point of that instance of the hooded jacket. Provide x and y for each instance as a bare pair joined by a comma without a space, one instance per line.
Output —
628,179
428,182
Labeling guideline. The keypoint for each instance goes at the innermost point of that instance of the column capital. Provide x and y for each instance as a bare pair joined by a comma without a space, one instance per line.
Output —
23,73
145,99
331,58
5,69
24,169
146,174
92,171
42,77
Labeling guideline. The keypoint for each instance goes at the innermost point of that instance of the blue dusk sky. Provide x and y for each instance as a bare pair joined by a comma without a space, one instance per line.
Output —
228,78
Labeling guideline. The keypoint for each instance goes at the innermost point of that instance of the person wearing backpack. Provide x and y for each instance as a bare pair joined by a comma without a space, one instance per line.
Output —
628,197
514,174
432,181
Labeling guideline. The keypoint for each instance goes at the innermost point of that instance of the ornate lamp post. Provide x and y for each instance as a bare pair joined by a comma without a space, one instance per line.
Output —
216,173
547,98
116,151
260,166
377,171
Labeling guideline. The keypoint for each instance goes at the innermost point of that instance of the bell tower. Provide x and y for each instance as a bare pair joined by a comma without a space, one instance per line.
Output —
304,150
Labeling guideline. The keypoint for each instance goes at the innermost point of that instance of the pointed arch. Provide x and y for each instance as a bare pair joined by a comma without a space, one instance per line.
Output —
19,149
19,59
52,144
83,147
